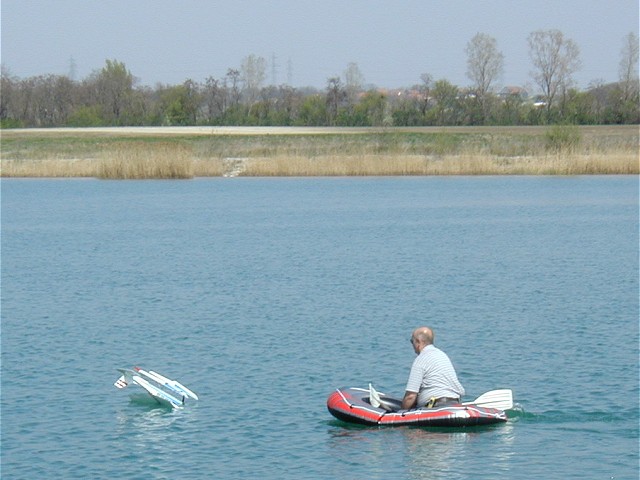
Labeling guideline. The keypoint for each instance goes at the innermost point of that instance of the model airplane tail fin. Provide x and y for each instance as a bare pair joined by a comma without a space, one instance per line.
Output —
121,382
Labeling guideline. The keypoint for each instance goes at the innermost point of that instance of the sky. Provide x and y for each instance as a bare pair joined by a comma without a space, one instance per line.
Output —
305,42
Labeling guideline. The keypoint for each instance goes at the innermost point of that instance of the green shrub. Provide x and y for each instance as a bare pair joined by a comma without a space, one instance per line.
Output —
562,138
10,123
86,116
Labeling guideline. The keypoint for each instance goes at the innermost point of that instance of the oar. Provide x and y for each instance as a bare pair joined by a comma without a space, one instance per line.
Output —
500,399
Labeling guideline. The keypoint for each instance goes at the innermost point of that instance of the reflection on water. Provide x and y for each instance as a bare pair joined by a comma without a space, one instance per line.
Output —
433,454
423,453
372,449
148,424
447,454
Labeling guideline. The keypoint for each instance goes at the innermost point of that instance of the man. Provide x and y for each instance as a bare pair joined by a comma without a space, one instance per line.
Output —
432,381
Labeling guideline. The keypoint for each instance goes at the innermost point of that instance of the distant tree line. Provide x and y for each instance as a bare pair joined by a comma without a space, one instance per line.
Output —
111,97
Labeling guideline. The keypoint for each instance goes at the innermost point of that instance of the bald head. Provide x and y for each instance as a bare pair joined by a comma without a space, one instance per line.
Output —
424,335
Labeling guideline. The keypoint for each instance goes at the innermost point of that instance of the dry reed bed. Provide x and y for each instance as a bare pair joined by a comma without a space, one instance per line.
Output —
570,151
469,164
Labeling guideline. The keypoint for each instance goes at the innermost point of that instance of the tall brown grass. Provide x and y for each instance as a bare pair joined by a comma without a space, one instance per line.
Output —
140,160
53,168
464,164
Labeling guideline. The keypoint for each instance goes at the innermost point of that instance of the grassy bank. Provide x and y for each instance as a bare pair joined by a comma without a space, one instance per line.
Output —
187,153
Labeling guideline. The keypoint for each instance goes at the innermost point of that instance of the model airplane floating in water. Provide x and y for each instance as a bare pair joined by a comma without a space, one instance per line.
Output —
164,390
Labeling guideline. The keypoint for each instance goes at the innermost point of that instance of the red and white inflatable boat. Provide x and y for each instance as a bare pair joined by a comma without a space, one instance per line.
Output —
354,405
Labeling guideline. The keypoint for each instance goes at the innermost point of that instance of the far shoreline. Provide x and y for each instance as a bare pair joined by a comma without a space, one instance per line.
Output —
296,130
189,152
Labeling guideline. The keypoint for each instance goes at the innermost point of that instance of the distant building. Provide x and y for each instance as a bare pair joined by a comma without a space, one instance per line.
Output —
513,91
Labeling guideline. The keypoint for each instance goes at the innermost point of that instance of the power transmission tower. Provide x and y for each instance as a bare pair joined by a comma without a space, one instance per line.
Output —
72,68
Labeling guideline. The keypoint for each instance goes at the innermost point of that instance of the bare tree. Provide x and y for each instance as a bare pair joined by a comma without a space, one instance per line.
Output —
42,101
485,63
253,75
8,93
629,67
353,80
336,96
425,92
215,98
60,89
555,58
233,76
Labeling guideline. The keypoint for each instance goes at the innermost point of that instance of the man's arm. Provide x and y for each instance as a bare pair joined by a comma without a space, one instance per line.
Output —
409,400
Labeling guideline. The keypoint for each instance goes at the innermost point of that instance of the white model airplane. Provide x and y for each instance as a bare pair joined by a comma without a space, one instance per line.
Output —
164,390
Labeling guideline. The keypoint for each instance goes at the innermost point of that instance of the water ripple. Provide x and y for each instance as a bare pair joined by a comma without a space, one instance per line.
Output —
266,295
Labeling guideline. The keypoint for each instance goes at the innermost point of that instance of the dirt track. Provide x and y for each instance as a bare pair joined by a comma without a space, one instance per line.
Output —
202,131
157,131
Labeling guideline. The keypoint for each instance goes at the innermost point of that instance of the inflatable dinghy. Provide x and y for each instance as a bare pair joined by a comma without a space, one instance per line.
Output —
369,407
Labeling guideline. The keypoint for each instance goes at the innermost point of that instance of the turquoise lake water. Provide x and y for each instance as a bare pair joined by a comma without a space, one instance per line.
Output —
264,295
